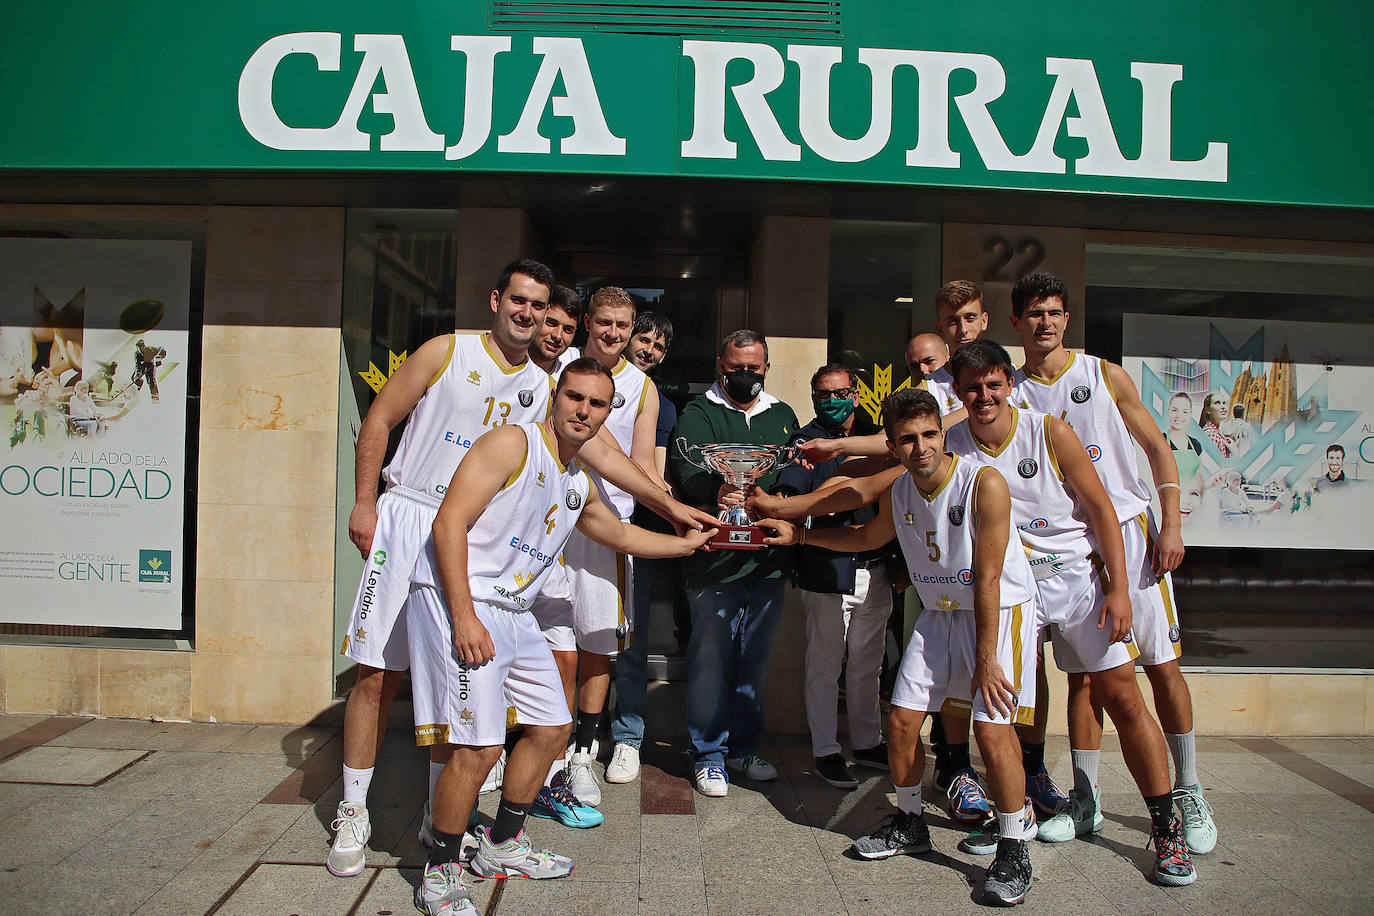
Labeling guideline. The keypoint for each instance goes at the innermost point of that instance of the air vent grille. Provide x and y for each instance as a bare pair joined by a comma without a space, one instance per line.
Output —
757,18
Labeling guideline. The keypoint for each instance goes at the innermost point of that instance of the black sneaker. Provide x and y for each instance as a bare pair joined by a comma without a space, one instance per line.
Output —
1010,875
834,771
875,756
900,833
1173,864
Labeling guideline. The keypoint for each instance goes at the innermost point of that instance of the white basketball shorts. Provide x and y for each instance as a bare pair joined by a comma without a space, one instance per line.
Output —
1154,613
1070,602
601,581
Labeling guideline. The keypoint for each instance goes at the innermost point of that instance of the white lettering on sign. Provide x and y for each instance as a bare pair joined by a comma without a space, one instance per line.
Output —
565,60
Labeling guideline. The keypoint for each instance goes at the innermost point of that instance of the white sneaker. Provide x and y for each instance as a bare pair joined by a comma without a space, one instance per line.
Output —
582,780
1199,830
624,765
495,777
712,781
753,767
352,827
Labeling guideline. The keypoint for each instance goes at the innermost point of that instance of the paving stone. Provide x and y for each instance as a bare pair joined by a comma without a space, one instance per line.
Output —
300,890
727,899
593,898
672,898
393,893
669,849
13,724
116,733
68,766
295,743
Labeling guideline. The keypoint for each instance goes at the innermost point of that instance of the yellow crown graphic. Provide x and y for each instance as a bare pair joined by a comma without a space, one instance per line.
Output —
946,603
523,579
373,376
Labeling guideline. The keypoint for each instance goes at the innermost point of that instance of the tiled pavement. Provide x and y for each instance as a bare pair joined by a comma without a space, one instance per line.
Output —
120,816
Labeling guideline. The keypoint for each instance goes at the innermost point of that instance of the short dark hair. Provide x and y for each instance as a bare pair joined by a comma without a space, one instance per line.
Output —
586,365
537,272
980,355
1336,447
956,294
655,324
908,404
831,369
743,338
568,300
1033,288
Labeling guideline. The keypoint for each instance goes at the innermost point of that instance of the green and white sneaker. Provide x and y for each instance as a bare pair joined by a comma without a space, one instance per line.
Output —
352,828
985,839
441,892
754,767
1081,817
516,857
1199,830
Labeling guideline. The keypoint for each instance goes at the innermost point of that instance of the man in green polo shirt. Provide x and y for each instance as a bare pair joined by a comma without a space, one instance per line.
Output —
735,596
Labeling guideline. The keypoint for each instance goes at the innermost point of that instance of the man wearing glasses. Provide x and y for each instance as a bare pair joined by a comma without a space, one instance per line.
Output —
847,597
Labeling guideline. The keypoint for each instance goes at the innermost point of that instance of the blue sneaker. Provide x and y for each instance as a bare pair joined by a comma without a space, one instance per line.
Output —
1047,797
967,802
556,802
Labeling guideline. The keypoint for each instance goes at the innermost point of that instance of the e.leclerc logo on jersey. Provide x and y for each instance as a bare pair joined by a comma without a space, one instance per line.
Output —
965,577
1094,452
1035,524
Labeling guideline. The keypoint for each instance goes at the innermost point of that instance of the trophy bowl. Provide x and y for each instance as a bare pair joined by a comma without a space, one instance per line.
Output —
741,464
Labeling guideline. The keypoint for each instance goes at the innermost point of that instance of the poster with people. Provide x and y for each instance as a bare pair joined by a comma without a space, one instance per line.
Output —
1271,423
93,363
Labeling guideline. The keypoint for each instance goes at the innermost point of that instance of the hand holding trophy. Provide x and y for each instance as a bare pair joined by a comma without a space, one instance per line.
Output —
740,464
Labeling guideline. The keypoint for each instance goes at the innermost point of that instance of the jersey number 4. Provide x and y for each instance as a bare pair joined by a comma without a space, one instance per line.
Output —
549,519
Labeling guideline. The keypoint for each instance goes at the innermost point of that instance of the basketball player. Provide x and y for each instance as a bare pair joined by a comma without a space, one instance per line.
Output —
452,388
506,515
599,578
1099,400
555,335
974,648
1071,534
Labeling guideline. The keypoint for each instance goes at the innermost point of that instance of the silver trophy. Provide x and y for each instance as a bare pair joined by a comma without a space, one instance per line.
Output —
740,464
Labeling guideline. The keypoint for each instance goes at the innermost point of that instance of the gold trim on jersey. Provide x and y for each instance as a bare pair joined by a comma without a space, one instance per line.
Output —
498,358
1166,591
973,494
448,358
1049,447
1040,379
1107,378
524,457
949,475
552,447
426,735
512,717
1015,421
643,393
621,584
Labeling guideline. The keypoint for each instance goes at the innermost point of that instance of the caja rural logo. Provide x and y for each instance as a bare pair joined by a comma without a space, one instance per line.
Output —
155,566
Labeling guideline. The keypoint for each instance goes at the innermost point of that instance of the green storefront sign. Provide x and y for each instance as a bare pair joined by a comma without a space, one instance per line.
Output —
1232,101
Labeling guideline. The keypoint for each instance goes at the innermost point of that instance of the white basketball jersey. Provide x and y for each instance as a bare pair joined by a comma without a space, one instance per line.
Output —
941,384
1081,394
471,394
631,386
936,534
515,542
1051,526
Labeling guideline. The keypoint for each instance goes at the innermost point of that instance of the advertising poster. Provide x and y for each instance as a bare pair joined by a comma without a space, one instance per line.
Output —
1271,422
93,351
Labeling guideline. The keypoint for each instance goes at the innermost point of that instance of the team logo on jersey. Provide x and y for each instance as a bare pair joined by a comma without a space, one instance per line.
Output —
360,637
909,519
1128,638
1173,633
622,630
1094,452
379,558
526,397
946,603
523,579
474,377
617,400
540,479
965,577
1035,524
1027,468
1080,394
574,500
956,515
465,716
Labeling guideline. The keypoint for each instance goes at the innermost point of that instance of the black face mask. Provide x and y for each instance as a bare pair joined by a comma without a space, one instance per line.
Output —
742,385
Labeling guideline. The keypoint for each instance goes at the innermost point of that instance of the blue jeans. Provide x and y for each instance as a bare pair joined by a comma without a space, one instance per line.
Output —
632,664
727,661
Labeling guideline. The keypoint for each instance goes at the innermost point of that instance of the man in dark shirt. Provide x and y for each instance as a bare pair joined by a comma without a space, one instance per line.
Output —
847,597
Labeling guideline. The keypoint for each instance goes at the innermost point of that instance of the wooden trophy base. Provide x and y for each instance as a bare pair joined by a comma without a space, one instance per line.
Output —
738,537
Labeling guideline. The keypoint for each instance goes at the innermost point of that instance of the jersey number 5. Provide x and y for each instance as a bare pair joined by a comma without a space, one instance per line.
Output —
934,547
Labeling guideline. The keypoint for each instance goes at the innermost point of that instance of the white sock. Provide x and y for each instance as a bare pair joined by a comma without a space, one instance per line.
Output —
1016,825
434,770
909,798
356,783
1184,750
1084,771
554,769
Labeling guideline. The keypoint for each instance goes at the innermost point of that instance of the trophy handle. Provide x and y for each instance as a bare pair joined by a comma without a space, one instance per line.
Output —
686,451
